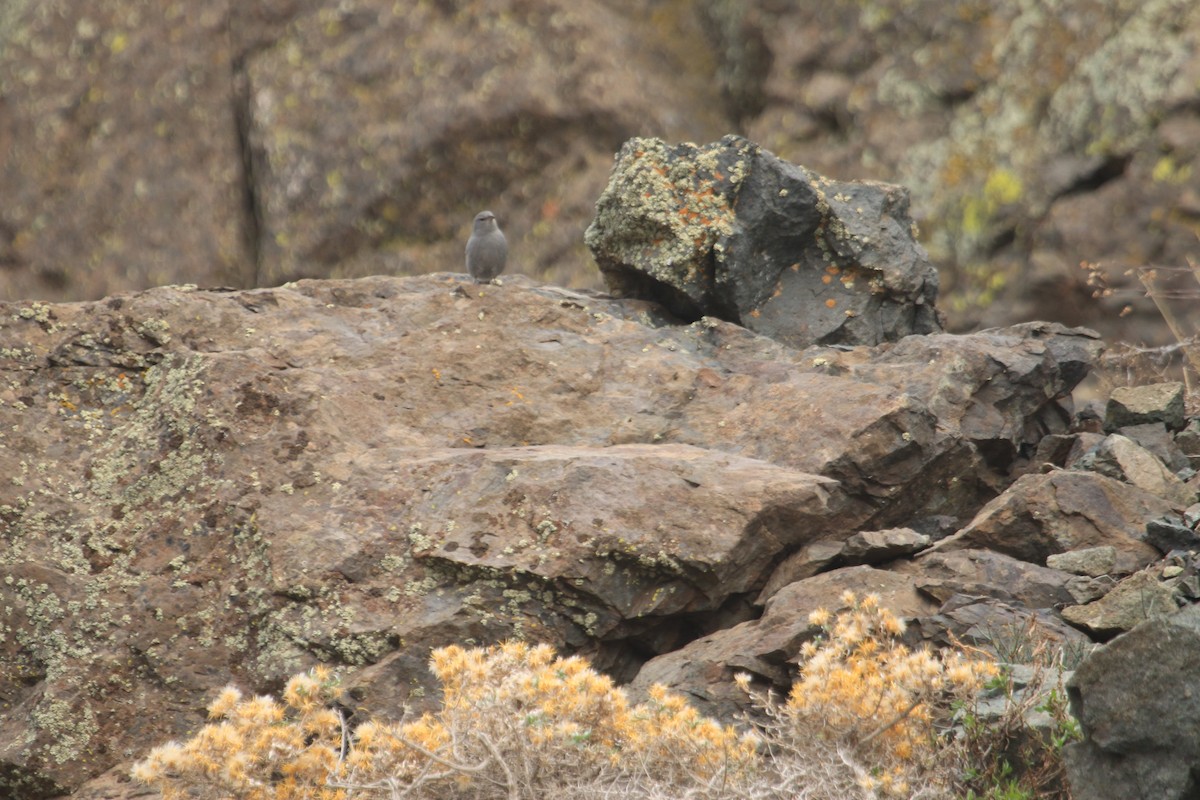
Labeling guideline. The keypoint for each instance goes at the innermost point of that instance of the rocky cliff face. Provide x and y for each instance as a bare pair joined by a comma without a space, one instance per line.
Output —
209,486
214,485
246,144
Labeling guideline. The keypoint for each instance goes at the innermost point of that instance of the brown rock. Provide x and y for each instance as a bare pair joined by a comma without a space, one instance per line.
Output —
1155,437
820,555
210,486
983,573
1085,590
1064,450
643,531
1121,458
1000,376
768,647
811,559
1040,515
874,547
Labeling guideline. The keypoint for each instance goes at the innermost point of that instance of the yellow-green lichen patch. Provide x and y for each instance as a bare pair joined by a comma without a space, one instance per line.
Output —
664,209
1050,91
69,728
40,313
147,460
183,475
157,331
1168,170
317,620
615,553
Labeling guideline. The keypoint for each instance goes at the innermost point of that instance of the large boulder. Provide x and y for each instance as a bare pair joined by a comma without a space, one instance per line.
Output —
729,230
209,486
1136,701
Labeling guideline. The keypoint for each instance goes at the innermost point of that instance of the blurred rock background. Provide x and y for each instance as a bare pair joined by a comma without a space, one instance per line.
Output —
250,143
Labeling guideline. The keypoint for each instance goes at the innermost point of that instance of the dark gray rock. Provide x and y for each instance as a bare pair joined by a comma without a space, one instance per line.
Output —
1096,775
1137,405
1136,701
730,230
1188,441
1170,532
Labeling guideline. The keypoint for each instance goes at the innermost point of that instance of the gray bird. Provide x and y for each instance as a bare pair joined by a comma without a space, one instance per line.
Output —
487,249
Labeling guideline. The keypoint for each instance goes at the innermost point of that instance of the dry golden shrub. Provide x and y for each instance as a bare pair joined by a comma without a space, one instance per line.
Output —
519,722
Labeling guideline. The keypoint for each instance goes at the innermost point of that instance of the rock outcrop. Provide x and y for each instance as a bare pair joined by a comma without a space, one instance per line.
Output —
214,486
204,486
729,230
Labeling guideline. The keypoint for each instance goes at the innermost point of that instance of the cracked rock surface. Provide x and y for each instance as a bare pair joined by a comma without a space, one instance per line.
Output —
217,486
